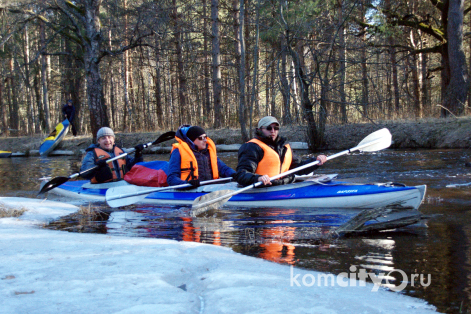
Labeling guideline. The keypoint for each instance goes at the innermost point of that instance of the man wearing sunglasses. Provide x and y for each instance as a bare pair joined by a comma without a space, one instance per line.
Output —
194,158
269,154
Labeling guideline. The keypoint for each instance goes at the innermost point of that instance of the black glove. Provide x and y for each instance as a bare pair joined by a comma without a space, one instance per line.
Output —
103,174
101,163
138,152
139,148
233,176
195,183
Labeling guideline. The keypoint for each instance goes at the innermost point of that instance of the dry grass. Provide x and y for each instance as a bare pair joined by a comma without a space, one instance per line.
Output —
6,211
87,213
84,220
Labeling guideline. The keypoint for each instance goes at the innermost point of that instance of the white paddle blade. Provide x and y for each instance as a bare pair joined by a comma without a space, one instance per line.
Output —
376,141
125,195
210,201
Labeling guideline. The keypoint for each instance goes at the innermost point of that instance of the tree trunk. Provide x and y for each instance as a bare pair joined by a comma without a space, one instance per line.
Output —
182,81
3,110
424,82
158,89
457,89
240,52
342,64
127,114
216,64
47,116
315,140
267,85
364,70
39,105
14,110
272,85
393,65
417,105
129,119
284,81
207,95
96,106
29,100
254,98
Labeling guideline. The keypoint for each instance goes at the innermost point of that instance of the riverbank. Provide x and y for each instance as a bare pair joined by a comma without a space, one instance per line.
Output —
427,133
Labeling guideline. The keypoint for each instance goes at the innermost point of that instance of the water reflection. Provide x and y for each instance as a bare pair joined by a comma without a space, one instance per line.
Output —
441,247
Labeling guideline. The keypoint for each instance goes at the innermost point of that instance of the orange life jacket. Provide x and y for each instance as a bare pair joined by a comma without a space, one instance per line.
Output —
189,165
270,163
102,154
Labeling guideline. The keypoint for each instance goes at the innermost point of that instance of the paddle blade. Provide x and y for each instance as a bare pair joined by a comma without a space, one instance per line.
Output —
125,195
52,184
210,201
378,140
164,137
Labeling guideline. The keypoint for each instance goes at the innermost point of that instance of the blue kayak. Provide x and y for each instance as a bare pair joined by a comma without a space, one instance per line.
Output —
311,192
54,138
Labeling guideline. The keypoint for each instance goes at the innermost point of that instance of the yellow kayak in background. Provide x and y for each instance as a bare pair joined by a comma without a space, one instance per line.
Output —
54,138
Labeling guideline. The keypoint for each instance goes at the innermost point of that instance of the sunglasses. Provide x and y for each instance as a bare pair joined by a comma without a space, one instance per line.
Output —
202,138
269,128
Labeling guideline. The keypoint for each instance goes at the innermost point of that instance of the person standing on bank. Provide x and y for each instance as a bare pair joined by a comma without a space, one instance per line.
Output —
194,159
68,110
269,154
97,154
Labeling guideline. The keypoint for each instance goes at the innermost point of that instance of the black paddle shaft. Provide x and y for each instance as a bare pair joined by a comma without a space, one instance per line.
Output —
61,180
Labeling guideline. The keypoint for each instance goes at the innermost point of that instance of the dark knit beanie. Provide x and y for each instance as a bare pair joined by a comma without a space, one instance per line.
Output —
194,132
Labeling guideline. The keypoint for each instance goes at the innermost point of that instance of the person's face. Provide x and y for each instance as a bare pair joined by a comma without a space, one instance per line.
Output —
106,142
69,103
201,142
270,131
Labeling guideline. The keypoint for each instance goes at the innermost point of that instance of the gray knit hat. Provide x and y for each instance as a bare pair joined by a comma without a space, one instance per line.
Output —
266,121
104,131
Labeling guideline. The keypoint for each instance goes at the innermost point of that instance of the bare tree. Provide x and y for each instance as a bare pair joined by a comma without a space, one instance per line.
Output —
216,64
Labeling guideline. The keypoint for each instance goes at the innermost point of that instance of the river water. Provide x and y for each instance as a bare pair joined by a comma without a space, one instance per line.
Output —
430,260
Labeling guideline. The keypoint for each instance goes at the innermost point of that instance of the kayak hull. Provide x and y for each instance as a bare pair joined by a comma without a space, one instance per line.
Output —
54,138
307,194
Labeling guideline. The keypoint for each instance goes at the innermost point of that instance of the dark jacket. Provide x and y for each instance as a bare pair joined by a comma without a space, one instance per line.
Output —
89,161
69,111
202,157
250,154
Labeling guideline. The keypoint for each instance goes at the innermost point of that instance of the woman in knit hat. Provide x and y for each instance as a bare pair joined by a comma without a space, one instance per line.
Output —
194,158
104,149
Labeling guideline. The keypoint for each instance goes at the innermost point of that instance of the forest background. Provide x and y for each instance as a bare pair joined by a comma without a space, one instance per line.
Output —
148,65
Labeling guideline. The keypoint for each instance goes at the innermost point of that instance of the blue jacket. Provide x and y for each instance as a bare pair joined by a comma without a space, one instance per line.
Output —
69,111
203,159
89,161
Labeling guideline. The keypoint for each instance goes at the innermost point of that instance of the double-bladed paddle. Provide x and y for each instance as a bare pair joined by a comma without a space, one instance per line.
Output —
130,194
378,140
61,180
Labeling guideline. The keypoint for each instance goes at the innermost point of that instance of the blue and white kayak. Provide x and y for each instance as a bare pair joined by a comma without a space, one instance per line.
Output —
314,192
54,138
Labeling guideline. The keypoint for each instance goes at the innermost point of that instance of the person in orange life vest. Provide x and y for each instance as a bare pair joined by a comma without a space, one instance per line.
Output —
269,154
97,154
194,158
